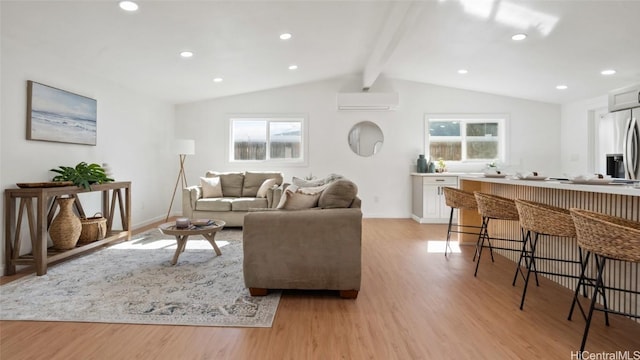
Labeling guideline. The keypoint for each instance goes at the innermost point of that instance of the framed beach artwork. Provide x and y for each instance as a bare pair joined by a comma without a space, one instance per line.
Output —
60,116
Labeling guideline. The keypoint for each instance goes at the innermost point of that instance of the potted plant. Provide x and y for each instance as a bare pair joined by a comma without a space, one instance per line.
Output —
492,167
82,175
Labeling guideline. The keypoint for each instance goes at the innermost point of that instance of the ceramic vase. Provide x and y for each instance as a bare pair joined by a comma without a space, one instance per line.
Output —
422,164
107,170
66,227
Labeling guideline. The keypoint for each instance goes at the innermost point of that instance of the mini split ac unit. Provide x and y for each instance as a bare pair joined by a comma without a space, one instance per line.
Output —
368,101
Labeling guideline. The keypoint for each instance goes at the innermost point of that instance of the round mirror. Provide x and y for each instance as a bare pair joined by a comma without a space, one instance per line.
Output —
365,138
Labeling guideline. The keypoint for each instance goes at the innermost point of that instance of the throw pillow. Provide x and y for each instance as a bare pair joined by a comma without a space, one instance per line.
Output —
338,194
283,197
306,183
266,185
294,198
231,182
211,187
319,182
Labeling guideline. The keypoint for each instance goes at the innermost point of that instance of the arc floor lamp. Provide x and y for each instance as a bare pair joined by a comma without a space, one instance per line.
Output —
183,147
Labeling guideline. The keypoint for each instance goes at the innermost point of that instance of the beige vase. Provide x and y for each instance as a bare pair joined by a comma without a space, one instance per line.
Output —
66,226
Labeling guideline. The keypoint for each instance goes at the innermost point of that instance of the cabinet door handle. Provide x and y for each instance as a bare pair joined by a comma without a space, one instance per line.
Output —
439,179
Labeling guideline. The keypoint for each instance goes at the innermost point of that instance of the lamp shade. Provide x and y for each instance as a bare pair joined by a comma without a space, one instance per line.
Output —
184,146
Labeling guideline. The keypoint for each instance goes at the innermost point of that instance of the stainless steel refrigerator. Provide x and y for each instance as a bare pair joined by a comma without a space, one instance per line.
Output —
627,140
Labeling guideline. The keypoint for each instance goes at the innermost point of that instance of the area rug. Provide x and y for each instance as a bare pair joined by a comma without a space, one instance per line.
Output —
133,282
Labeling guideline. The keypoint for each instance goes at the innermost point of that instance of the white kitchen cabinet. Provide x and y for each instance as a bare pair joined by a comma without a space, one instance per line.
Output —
624,98
428,204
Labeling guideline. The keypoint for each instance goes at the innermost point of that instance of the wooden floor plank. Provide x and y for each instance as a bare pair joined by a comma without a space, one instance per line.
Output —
414,304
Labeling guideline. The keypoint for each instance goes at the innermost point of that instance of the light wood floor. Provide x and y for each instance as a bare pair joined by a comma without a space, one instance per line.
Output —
413,305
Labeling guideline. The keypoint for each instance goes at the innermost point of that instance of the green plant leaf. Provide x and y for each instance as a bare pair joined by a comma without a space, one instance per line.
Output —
82,174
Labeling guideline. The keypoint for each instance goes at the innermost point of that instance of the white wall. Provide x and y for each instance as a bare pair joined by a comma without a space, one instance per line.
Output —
383,180
133,133
575,130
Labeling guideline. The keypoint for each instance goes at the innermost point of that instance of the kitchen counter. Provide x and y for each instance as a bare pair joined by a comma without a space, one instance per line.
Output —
446,174
620,189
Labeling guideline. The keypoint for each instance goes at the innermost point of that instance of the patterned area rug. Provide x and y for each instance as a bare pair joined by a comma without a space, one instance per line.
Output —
134,282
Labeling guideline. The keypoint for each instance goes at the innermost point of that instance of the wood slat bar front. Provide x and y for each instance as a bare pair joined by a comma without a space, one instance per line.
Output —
41,214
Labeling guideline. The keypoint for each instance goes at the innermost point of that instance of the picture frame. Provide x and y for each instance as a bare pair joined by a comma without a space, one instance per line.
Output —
60,116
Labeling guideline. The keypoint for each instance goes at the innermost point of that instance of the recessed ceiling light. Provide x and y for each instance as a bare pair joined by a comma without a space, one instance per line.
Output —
561,87
218,79
518,37
128,5
608,72
285,36
186,54
463,71
293,67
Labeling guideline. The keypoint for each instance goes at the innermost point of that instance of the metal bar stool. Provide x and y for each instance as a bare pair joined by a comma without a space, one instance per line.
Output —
459,199
607,238
496,208
540,219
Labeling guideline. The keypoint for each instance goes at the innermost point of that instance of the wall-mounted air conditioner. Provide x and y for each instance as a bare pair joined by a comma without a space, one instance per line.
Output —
367,101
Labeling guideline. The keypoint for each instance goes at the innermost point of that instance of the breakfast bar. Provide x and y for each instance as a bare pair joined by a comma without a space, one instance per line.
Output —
616,199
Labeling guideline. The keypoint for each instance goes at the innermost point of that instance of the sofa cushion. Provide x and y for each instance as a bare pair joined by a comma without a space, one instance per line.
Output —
338,194
214,204
266,185
246,203
211,187
294,198
254,179
231,182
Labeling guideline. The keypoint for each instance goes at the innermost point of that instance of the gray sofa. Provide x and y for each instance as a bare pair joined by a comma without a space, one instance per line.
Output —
239,195
309,249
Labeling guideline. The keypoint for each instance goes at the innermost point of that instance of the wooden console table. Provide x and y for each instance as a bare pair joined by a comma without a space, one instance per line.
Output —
45,209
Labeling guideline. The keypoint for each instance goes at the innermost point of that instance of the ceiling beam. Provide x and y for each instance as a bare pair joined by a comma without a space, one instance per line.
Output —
401,18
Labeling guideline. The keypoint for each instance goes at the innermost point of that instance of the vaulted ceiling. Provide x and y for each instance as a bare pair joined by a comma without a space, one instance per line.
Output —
569,43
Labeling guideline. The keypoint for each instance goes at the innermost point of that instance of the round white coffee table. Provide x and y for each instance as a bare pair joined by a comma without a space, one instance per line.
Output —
182,235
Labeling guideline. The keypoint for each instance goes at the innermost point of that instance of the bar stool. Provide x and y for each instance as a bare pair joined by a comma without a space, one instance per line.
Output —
496,208
540,219
459,199
607,238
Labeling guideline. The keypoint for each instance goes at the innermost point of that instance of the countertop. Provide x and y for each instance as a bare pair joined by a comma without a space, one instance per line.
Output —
621,189
445,174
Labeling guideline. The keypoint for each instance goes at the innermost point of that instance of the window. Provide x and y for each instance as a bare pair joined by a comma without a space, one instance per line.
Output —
267,139
466,138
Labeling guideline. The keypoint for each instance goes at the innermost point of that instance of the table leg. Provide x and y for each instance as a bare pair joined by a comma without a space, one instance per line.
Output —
182,243
42,226
210,237
9,223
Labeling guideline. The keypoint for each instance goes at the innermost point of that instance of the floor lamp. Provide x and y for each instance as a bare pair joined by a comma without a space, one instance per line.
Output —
183,147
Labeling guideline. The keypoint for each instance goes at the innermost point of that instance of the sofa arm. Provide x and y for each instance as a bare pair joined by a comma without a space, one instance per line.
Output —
303,249
190,195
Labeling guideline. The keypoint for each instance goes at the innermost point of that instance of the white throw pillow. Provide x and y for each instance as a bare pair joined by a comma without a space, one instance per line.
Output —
266,185
312,190
211,187
306,183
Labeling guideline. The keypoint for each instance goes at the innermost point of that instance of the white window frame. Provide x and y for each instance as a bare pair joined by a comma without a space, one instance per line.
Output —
302,118
503,141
